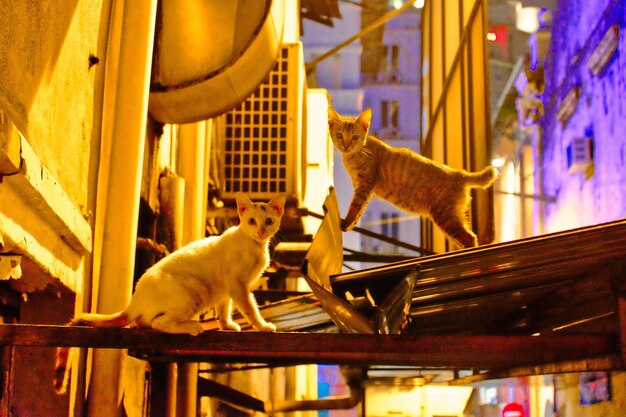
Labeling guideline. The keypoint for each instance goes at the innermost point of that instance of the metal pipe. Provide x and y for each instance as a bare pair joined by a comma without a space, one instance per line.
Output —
171,200
192,169
539,197
123,136
354,377
329,403
369,233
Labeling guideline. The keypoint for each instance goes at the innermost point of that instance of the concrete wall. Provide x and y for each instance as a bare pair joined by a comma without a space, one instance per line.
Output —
599,194
49,59
47,82
568,404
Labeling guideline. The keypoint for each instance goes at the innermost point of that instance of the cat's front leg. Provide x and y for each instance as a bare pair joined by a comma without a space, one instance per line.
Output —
247,306
224,316
357,207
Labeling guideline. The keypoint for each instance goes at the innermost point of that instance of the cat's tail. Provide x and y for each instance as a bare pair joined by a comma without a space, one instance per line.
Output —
119,319
481,179
64,354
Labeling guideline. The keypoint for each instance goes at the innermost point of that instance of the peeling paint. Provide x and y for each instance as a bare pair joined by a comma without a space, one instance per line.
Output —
10,267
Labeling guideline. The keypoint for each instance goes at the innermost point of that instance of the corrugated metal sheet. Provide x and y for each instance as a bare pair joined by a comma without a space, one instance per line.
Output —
549,283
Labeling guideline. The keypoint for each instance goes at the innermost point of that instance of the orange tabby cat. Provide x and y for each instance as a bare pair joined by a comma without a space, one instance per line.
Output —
404,178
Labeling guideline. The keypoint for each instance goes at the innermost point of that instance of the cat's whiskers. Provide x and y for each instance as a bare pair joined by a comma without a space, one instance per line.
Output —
277,238
365,152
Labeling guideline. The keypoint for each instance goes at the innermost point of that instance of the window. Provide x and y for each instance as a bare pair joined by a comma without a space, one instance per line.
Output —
389,113
389,64
393,57
389,225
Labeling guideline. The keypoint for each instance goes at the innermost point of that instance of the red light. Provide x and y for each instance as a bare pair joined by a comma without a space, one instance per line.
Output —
491,36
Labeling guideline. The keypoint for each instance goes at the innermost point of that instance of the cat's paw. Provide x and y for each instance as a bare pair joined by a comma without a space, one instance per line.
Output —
266,327
195,328
231,325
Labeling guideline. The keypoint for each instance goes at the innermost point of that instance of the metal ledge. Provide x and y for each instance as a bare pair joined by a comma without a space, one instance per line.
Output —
446,351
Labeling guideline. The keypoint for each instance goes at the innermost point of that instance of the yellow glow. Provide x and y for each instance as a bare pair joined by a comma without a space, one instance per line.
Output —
527,19
397,4
385,400
418,4
541,392
497,162
492,37
319,160
510,204
445,401
291,31
426,401
429,311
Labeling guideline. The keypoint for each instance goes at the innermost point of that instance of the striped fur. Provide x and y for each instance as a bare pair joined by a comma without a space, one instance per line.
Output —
404,178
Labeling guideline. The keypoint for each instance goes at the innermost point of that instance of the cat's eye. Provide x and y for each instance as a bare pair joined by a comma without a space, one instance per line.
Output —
252,222
339,136
355,138
269,222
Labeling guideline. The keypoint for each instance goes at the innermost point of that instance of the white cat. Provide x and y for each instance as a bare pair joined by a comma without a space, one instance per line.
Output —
212,272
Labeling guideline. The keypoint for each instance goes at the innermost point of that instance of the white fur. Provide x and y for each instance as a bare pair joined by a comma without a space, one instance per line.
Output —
209,273
213,272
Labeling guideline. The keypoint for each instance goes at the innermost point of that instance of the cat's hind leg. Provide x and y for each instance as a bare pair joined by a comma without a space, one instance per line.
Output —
246,304
455,226
464,236
168,324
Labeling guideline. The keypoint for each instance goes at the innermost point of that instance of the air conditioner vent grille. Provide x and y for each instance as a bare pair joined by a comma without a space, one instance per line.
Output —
259,145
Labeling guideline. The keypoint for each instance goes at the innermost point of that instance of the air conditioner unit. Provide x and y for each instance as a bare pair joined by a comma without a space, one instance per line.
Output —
263,139
579,154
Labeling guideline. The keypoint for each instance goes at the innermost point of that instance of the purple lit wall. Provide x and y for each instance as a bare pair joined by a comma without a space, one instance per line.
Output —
595,193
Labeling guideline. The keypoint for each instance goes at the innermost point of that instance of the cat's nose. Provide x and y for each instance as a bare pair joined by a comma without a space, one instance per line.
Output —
260,232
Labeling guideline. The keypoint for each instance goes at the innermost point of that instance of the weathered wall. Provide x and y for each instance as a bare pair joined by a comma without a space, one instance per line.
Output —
598,195
47,82
31,393
48,92
568,404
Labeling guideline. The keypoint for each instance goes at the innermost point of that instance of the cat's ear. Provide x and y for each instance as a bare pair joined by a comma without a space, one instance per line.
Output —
333,117
278,203
243,203
365,118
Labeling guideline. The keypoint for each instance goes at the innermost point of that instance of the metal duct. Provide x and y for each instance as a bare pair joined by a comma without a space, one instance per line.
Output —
210,55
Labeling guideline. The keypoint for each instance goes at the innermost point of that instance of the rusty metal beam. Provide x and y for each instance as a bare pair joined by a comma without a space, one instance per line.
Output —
210,388
446,351
604,363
